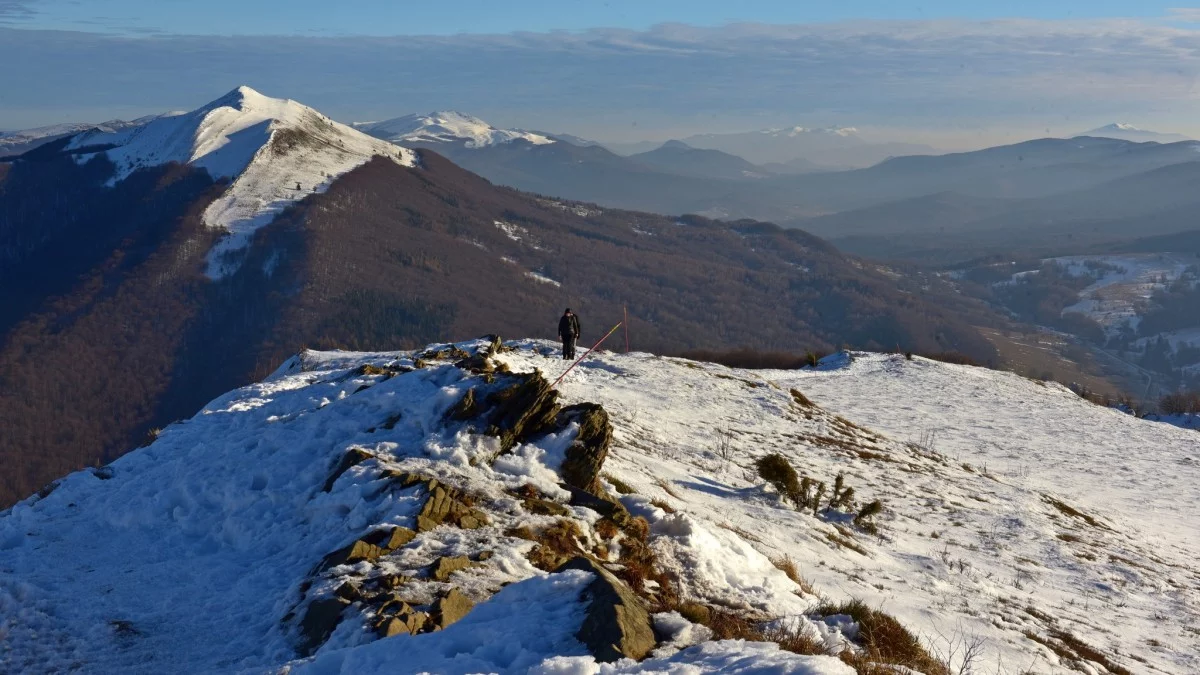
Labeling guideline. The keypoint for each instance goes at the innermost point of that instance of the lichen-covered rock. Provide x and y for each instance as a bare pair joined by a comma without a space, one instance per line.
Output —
445,566
585,458
450,608
617,624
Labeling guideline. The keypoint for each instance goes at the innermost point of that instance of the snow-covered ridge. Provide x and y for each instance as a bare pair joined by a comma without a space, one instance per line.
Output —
1011,509
275,151
26,137
447,126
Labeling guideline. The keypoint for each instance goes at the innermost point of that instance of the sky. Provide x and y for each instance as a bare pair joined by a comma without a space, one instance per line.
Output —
953,74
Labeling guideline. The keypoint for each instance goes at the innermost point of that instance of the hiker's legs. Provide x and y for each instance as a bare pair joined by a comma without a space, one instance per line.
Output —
568,347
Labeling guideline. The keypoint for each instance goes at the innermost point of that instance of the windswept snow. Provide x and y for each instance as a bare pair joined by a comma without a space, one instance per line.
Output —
1011,509
275,152
447,126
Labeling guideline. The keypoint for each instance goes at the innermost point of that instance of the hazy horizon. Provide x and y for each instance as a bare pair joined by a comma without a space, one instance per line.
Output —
935,74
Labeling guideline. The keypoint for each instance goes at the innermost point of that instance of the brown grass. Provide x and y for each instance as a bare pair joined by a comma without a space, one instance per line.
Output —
667,488
884,641
788,567
662,504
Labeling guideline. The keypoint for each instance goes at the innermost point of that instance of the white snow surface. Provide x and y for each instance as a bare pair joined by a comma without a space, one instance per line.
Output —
12,139
264,146
448,126
1022,510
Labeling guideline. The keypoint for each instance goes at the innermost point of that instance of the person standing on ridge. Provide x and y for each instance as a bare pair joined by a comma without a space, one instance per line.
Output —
568,332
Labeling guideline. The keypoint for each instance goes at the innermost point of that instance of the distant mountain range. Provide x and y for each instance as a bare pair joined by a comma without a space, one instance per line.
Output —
150,268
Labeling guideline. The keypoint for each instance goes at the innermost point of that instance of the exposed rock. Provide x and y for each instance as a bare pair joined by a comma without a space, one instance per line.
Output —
522,410
323,615
585,457
445,505
390,540
601,503
545,507
356,552
407,621
348,591
450,608
466,408
617,624
352,457
445,566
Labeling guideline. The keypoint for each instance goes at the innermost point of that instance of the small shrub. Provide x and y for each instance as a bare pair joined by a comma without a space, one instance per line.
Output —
795,640
775,469
864,518
818,497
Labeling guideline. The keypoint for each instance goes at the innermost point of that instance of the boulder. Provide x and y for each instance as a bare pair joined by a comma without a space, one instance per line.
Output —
450,608
585,457
407,622
445,566
617,624
390,540
358,551
323,615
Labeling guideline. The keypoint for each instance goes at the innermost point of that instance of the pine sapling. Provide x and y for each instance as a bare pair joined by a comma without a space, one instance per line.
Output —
818,497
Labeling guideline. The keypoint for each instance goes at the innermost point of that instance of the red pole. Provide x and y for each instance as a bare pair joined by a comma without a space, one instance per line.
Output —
626,322
560,377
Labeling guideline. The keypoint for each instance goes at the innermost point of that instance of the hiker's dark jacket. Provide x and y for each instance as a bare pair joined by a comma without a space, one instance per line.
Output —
568,325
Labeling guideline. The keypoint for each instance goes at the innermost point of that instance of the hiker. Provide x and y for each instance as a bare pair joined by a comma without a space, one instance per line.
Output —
568,332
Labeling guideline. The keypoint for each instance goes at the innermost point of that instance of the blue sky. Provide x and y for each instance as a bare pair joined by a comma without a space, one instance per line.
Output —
954,74
405,17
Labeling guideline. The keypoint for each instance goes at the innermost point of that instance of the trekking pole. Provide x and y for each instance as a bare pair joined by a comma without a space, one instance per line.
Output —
560,377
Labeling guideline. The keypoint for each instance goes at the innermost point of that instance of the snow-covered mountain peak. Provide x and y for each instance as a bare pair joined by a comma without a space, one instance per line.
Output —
447,126
274,152
1129,132
803,131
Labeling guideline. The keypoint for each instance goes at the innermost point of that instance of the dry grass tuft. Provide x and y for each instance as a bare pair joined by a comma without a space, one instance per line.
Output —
788,567
662,504
884,641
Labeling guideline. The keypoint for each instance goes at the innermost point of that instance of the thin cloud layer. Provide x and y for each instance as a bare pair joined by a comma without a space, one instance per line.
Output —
881,73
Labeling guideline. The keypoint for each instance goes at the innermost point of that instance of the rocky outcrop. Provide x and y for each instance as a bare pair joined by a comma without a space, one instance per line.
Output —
522,410
323,615
617,624
445,566
450,608
585,457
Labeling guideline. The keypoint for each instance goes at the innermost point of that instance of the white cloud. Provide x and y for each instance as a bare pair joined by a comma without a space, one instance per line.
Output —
861,72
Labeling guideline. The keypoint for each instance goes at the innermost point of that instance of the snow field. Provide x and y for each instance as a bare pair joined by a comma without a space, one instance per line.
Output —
1028,512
